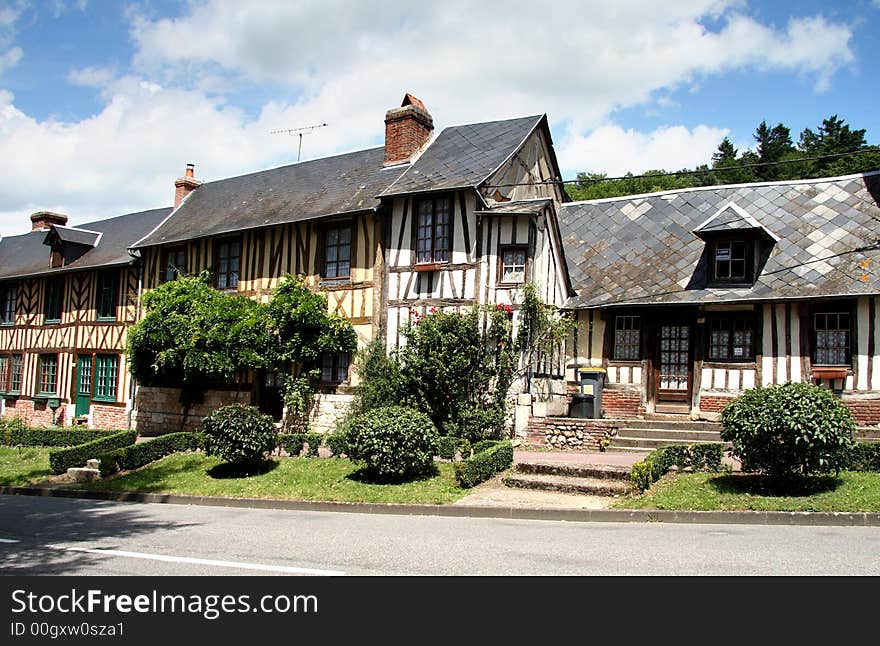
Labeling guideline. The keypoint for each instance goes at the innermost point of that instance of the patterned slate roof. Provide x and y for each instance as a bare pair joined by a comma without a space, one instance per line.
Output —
302,191
464,156
643,249
26,255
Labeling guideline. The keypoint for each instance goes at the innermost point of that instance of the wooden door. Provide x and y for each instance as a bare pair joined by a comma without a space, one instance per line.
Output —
83,385
674,363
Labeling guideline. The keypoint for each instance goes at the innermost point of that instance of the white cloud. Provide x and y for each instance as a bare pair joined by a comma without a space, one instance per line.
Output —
10,58
615,151
345,63
91,76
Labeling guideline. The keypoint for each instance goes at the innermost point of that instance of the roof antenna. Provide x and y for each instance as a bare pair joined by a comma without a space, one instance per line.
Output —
298,131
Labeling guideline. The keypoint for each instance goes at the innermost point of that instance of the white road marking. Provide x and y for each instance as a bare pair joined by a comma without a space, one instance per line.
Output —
8,540
186,559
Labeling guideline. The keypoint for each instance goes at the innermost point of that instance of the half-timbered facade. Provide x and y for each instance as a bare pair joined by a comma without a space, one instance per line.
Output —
689,297
69,295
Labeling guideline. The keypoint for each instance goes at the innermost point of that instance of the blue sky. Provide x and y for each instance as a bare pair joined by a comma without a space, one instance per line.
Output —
102,103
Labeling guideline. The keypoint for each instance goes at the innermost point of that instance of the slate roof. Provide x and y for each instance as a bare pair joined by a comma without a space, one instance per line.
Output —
643,249
75,235
26,255
339,184
464,156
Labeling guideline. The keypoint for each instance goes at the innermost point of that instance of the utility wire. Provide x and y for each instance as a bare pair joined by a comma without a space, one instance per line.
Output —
591,180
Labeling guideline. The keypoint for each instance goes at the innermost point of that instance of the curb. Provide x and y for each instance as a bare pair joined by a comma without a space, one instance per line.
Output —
842,519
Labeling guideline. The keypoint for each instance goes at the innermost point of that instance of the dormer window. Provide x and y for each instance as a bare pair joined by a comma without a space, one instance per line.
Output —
731,261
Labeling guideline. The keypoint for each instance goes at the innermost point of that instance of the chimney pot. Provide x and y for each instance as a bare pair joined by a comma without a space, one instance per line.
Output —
407,130
185,185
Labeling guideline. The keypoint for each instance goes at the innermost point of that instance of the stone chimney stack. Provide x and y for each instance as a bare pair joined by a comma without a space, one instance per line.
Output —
185,185
42,220
407,130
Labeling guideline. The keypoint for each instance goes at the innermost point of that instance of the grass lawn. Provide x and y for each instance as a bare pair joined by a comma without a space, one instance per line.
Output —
851,491
23,466
290,478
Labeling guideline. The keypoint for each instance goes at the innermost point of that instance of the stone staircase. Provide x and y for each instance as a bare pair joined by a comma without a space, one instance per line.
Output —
579,478
655,431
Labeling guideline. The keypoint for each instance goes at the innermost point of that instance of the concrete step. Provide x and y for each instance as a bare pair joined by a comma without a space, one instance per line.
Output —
684,425
597,471
652,442
568,484
691,435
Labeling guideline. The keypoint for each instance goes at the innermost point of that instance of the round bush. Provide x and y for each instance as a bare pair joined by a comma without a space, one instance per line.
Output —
393,443
239,434
789,430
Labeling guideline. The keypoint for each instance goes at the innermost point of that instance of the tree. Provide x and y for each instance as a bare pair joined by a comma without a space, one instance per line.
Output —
773,145
832,137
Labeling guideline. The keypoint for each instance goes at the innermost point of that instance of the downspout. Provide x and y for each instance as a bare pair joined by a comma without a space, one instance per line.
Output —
137,313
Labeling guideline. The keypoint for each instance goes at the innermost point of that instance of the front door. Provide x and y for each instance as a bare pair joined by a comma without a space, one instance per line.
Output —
83,385
674,363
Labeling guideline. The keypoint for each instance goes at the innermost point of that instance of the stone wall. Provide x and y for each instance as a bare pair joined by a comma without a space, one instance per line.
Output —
159,411
568,433
329,409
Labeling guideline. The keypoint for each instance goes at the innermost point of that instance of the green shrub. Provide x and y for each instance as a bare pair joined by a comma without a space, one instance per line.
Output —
314,441
337,442
464,449
476,422
293,443
239,434
641,475
482,445
61,460
484,465
790,430
138,455
393,443
697,457
446,447
864,456
20,435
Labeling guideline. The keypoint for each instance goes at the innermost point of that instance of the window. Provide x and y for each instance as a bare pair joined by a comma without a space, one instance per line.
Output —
106,370
106,294
832,338
54,299
627,338
7,304
432,230
731,338
227,263
15,370
4,373
173,263
730,261
334,368
337,252
48,374
513,264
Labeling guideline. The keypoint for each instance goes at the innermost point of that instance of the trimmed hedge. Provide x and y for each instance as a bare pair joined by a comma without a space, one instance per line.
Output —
51,436
482,445
447,446
314,442
864,456
76,456
138,455
393,443
698,457
239,434
484,464
337,443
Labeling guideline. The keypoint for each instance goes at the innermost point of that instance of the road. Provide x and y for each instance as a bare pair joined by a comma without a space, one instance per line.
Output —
56,536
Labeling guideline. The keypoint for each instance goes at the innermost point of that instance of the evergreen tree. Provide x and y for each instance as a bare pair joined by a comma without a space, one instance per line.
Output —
832,137
773,145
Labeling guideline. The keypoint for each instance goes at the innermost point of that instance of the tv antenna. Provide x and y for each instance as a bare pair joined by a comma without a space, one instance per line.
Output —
300,132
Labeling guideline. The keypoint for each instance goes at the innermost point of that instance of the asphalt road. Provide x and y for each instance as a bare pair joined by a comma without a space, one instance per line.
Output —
56,536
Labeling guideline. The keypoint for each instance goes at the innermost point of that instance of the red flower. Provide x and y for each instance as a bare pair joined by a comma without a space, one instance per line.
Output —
433,310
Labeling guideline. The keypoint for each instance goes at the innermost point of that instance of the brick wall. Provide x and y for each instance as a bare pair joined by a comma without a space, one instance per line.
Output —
158,410
33,413
619,403
713,403
109,416
568,433
865,409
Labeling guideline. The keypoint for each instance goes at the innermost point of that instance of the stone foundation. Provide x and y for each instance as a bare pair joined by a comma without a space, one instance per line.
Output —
567,433
158,410
36,414
714,403
329,409
108,416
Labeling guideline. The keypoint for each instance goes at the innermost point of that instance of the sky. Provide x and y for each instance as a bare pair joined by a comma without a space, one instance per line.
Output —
104,102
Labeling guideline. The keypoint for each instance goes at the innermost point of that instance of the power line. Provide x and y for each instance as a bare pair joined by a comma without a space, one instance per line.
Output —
851,153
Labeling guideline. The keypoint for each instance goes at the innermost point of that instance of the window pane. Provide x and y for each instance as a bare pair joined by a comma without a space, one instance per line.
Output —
48,373
832,336
4,374
627,338
105,376
15,375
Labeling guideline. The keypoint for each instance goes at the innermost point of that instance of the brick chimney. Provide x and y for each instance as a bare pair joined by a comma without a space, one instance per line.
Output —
407,129
42,220
185,185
